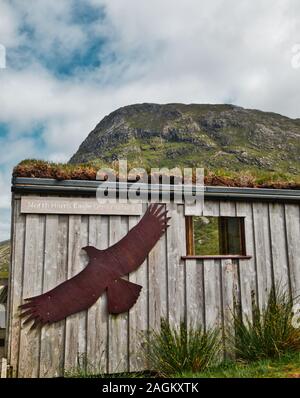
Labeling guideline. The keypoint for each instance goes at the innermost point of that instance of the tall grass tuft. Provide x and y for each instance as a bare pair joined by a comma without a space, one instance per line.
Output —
270,334
179,350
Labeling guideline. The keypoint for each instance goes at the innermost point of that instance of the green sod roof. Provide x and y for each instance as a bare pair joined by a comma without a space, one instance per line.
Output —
249,179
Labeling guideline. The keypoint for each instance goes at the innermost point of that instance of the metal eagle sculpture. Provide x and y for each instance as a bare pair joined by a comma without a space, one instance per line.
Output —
103,273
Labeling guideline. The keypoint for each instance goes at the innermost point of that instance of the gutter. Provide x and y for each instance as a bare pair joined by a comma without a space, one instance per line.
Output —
22,185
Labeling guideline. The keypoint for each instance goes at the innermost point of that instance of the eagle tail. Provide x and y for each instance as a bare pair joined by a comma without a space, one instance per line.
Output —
122,295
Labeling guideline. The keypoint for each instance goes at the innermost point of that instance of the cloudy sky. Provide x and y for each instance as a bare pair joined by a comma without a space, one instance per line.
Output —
71,62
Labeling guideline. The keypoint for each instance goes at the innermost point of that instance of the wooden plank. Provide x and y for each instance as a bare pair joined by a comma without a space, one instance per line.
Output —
138,314
55,272
212,292
211,208
8,320
97,323
15,287
158,286
79,206
292,217
229,273
189,236
176,266
3,373
212,281
32,285
118,324
247,268
263,257
217,257
75,343
227,269
195,305
279,245
194,209
227,209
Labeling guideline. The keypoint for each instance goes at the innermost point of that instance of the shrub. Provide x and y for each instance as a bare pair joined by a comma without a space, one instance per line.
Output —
179,350
270,334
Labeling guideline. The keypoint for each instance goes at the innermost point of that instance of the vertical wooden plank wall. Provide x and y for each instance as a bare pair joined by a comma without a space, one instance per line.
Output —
176,267
279,245
229,274
47,250
55,272
292,215
15,286
118,324
247,269
212,279
97,322
33,269
262,252
75,335
139,313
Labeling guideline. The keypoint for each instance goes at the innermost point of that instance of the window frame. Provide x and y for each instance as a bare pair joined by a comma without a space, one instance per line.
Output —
190,247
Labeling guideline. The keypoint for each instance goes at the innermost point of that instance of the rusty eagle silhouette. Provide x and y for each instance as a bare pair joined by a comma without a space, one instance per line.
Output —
103,272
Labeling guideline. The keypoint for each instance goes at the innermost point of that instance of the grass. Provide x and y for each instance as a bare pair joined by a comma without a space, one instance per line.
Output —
252,178
78,373
265,346
4,259
173,350
288,366
270,334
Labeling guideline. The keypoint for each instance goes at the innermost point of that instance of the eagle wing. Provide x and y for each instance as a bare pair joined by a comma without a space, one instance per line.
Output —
132,250
73,295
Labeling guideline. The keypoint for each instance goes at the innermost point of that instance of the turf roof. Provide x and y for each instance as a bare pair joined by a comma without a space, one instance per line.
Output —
249,179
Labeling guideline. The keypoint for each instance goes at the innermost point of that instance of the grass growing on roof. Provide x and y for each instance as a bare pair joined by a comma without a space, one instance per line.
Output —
252,178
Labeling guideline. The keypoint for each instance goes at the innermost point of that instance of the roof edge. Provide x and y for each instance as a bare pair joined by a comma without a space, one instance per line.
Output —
27,185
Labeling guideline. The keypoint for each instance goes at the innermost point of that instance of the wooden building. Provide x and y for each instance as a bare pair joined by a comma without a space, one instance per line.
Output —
3,300
254,244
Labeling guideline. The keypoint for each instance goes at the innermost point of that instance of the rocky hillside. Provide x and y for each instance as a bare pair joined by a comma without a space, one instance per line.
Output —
213,136
4,258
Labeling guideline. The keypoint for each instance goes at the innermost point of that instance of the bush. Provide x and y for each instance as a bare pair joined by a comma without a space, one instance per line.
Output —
270,334
176,351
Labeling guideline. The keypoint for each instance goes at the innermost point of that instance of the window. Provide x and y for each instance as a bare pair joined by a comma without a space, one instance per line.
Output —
215,236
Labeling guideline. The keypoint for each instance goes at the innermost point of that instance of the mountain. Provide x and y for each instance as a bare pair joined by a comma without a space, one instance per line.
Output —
4,258
212,136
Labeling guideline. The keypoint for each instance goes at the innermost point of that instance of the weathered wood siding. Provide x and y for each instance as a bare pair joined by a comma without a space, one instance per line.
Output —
47,250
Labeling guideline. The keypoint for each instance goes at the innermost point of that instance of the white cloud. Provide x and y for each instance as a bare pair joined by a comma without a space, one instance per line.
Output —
5,192
9,35
49,24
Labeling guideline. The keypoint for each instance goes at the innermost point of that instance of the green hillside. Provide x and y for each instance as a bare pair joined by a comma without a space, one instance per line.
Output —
213,136
4,258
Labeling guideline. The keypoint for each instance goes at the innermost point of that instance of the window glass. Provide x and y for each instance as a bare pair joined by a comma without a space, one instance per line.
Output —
215,236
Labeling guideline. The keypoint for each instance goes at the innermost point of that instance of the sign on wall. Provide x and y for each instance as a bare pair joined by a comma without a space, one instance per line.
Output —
85,206
103,273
